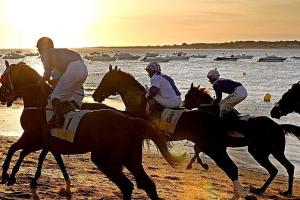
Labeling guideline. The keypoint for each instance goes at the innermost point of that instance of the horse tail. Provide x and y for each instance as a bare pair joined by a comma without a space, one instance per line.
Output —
148,132
291,129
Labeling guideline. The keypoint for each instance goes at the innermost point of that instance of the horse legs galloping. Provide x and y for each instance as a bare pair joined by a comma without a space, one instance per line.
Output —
134,165
223,160
113,170
43,154
262,157
279,155
20,144
197,157
12,178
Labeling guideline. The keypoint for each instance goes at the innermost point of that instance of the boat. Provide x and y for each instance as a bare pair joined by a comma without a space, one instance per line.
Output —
13,55
178,56
152,54
243,56
271,58
226,58
296,57
102,57
199,56
125,56
155,59
32,54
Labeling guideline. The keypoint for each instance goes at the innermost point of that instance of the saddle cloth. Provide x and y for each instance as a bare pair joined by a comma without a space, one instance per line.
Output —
72,119
169,119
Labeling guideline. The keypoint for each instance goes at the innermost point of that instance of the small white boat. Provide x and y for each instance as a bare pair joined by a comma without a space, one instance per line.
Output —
271,58
199,56
296,57
243,56
102,57
155,59
178,56
32,54
126,56
152,54
13,55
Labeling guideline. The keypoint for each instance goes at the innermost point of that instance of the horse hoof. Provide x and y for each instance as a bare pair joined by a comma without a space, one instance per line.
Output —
188,167
5,178
250,197
255,190
11,181
64,192
33,185
205,166
287,194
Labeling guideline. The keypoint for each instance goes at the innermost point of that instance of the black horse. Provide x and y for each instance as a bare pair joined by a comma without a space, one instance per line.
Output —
263,136
207,131
111,146
289,102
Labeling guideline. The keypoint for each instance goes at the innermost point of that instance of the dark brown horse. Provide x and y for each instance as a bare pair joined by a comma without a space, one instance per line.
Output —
207,131
263,136
289,102
111,146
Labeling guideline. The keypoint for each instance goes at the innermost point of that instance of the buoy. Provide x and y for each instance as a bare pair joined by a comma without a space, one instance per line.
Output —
267,97
244,73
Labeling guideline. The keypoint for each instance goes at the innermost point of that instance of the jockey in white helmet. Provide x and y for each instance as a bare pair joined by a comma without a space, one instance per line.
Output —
235,90
163,89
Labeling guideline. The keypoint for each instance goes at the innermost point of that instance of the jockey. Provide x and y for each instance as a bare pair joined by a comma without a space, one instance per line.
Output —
163,89
74,73
235,90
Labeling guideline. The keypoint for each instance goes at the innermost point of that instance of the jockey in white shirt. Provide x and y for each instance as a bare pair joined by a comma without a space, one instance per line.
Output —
74,73
163,89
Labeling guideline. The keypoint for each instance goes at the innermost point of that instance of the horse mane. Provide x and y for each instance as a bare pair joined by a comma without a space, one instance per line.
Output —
29,71
292,93
128,78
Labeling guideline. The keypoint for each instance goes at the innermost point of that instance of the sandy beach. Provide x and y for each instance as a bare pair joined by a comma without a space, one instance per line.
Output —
89,183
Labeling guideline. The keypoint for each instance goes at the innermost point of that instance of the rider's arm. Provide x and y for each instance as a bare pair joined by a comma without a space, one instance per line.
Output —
153,91
47,66
218,94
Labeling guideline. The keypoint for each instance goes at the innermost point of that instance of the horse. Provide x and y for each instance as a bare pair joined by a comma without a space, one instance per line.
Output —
111,146
263,136
207,131
289,102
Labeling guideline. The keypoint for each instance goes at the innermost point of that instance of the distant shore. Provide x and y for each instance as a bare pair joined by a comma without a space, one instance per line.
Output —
294,44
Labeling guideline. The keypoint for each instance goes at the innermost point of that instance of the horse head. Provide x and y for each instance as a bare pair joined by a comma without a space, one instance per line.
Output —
108,85
197,96
116,81
289,102
16,81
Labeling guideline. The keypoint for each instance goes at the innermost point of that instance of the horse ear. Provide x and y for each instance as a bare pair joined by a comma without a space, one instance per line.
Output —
198,87
116,67
192,85
110,67
6,64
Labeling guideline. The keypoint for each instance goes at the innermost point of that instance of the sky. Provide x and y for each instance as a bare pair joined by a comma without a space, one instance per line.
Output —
90,23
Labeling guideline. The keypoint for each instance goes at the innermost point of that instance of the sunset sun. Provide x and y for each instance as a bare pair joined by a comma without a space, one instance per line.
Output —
63,20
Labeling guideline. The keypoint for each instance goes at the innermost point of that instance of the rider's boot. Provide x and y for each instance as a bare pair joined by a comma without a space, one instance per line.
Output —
58,120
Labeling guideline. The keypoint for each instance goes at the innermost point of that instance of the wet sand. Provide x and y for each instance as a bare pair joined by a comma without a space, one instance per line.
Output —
89,183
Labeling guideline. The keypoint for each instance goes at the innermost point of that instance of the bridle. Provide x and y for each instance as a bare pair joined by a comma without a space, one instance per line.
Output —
12,91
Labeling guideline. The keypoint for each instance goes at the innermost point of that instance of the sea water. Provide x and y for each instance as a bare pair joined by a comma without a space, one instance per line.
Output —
258,77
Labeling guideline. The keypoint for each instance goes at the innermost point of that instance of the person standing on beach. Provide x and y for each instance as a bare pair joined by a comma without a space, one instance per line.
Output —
74,73
163,89
235,90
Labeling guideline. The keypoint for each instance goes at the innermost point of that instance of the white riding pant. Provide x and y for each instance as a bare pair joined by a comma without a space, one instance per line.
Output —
70,82
228,103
